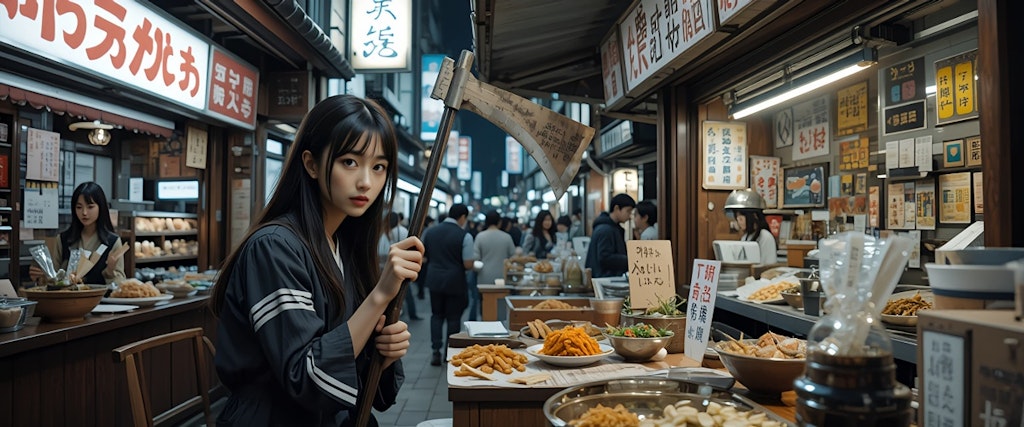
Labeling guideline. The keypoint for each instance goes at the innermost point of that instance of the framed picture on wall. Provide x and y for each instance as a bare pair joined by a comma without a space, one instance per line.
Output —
953,153
804,186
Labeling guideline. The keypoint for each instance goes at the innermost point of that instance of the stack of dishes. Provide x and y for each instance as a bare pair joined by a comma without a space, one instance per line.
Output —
976,278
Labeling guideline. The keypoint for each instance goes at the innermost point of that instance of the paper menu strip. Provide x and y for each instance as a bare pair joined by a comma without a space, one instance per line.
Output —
906,150
923,153
892,155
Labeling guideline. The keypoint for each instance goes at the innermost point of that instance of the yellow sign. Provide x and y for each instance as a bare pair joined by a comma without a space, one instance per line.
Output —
956,88
852,109
651,274
853,154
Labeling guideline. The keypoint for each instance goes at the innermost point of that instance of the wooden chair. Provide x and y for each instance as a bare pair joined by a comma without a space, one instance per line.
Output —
138,390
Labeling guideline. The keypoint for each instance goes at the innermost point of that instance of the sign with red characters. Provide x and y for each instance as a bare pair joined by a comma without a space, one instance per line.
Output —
233,86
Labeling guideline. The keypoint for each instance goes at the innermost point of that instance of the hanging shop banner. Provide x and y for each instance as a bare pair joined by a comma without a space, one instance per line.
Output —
903,82
725,155
431,108
904,118
451,155
513,156
727,9
853,154
655,32
464,171
956,88
852,109
651,274
810,119
955,198
611,68
233,86
784,128
380,35
764,178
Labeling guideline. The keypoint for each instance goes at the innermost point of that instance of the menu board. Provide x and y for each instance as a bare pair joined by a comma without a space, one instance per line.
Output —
955,198
701,306
852,109
43,163
764,178
651,274
725,155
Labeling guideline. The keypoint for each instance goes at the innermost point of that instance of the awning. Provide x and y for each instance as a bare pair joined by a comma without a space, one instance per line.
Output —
23,91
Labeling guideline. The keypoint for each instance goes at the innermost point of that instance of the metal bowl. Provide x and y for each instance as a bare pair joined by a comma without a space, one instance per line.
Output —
793,298
637,349
761,375
645,396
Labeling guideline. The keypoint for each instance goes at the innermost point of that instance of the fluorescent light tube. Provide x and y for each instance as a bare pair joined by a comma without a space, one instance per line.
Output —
799,90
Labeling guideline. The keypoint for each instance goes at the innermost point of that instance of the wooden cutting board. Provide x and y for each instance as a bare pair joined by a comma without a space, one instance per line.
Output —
462,339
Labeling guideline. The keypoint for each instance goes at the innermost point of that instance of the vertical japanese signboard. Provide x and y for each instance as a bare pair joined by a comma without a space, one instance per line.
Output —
651,275
942,381
764,178
513,156
232,90
42,161
611,68
380,35
903,97
195,147
655,32
464,171
810,120
956,88
451,154
430,108
852,109
725,155
700,308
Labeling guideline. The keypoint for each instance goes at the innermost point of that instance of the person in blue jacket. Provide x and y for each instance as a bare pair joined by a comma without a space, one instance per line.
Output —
301,301
606,255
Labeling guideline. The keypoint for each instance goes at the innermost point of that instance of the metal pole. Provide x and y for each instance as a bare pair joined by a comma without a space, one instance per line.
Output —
453,101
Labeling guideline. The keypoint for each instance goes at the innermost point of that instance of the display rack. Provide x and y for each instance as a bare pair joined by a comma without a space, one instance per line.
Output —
176,246
9,215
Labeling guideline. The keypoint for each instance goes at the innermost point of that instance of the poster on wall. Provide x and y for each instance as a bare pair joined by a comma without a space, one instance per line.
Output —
903,82
764,178
956,88
811,122
973,147
42,155
909,206
873,206
979,204
40,205
925,198
804,186
955,198
896,219
852,109
853,153
784,128
725,155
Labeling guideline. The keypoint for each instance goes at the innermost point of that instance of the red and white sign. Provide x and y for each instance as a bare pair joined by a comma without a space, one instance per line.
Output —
700,308
233,86
464,171
122,40
656,32
764,178
811,121
611,68
729,8
451,155
513,156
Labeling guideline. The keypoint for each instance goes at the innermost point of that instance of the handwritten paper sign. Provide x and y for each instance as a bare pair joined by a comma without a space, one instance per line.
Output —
725,155
40,205
195,156
942,379
811,121
764,177
43,155
852,109
651,275
701,307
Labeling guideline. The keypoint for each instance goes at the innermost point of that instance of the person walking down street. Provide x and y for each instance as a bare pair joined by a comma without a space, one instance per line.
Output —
646,219
576,229
512,228
541,239
606,256
492,247
449,253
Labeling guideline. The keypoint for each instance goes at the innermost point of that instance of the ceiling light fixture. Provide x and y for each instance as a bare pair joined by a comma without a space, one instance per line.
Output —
848,66
99,133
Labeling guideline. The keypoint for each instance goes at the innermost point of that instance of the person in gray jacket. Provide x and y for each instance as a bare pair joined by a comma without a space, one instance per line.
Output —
606,256
492,247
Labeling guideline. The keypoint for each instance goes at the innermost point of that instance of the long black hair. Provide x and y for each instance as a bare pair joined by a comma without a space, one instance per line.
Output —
755,223
92,193
336,126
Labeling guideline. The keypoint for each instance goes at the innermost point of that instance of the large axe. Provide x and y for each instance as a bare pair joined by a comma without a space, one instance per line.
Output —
556,142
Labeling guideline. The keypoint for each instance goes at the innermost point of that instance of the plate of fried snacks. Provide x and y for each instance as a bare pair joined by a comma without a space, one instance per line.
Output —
134,292
765,292
569,347
537,330
902,307
482,361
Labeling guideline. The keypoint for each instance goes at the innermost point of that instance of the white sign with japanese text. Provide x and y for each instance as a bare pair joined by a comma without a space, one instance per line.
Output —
451,155
764,178
942,379
40,205
651,274
611,68
464,171
701,306
42,158
811,121
121,40
655,32
380,35
195,156
725,155
513,156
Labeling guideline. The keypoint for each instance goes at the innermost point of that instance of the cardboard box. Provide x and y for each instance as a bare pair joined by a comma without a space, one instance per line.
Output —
520,311
970,368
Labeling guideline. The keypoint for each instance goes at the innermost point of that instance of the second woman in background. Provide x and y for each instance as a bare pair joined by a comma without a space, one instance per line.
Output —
541,239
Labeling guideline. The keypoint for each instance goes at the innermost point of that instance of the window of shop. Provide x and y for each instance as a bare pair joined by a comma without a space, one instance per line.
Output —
275,162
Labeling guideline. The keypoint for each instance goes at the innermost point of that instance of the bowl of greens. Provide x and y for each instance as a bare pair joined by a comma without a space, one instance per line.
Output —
667,314
638,342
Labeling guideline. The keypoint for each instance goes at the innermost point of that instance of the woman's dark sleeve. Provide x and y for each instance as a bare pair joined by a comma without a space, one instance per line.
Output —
387,389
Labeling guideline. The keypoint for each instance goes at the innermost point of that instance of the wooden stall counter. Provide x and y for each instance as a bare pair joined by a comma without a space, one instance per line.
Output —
65,374
491,406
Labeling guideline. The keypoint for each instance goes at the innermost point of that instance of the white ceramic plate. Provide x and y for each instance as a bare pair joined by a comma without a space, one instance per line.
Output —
569,361
113,308
141,302
926,295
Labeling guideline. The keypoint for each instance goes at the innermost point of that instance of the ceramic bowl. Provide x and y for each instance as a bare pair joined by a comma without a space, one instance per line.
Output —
637,349
761,375
984,256
67,305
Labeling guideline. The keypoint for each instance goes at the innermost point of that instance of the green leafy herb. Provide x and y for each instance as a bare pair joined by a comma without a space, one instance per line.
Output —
639,330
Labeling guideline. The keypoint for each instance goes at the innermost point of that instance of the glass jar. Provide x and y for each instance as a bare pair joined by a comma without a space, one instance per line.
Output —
851,386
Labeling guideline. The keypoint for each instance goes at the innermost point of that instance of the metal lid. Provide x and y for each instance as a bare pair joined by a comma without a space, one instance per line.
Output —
745,199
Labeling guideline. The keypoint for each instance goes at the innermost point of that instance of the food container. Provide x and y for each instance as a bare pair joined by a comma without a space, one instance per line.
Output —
762,375
966,286
637,349
645,396
520,310
13,312
65,306
676,324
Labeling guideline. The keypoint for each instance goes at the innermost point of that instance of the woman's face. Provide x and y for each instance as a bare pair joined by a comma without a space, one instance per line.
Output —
87,212
741,222
356,181
547,222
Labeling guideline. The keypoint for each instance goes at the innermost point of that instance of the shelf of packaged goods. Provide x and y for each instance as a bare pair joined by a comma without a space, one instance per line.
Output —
166,233
156,259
